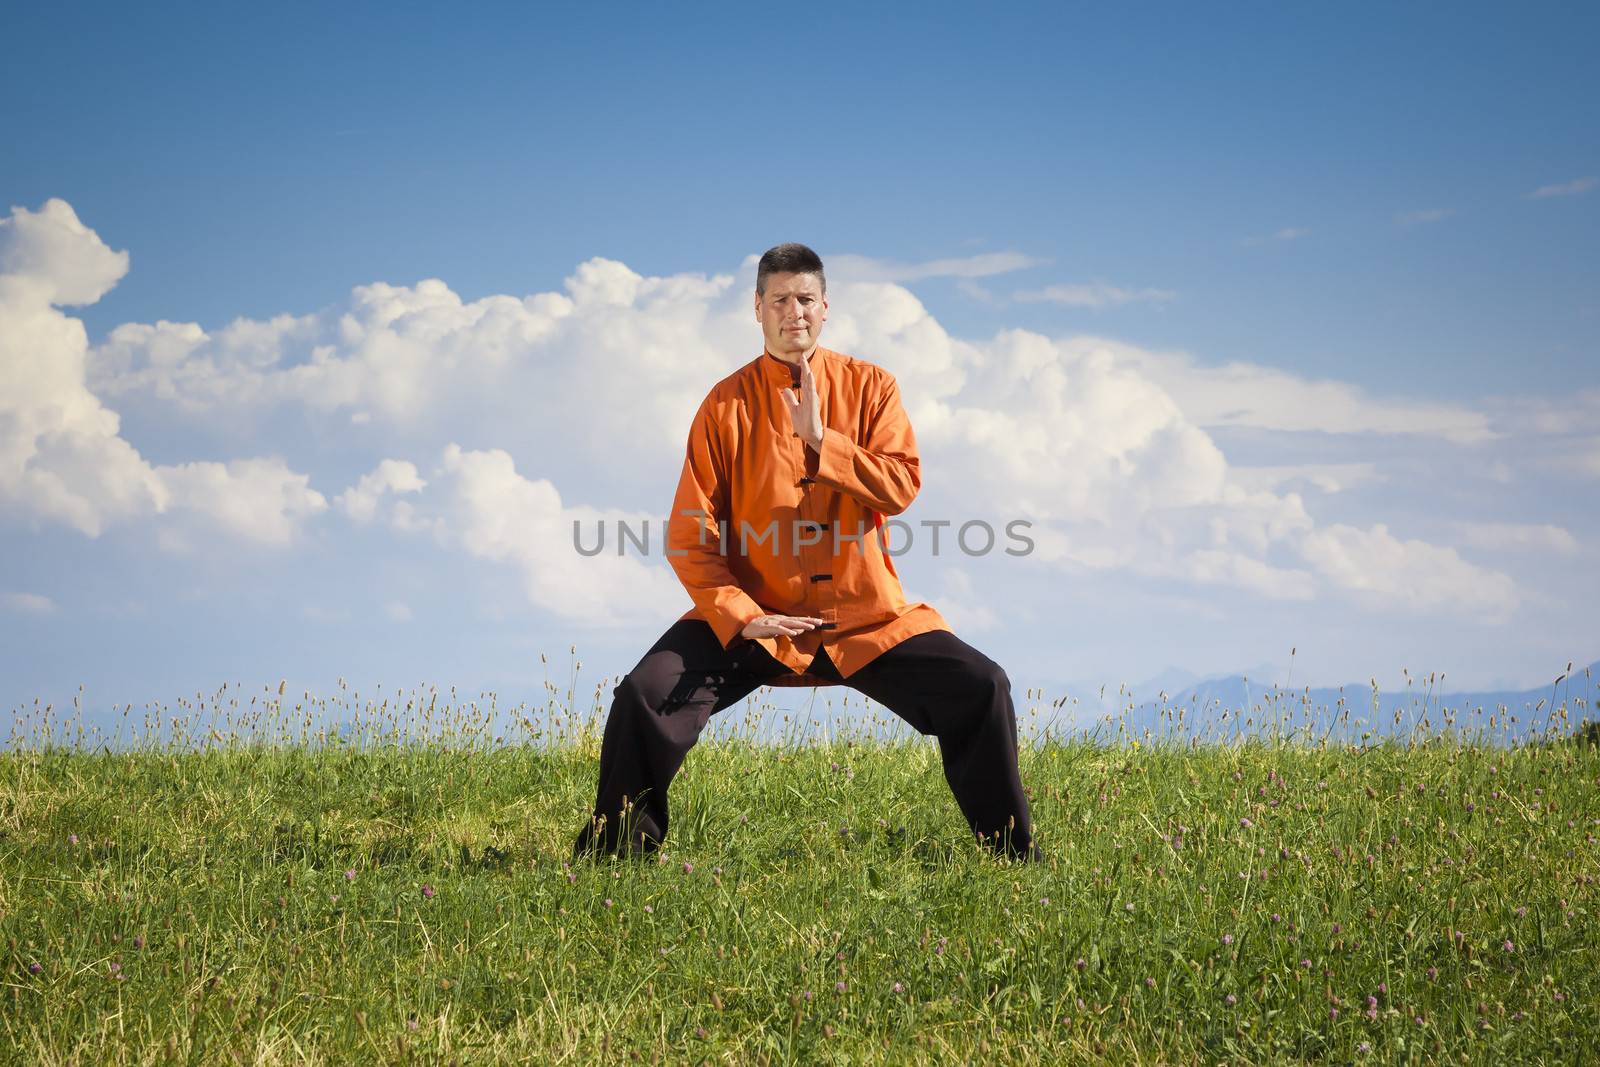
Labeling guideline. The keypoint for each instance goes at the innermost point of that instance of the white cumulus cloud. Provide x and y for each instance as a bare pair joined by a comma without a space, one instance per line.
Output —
254,499
477,501
62,456
1258,397
1519,537
1107,447
361,500
1422,576
1323,477
962,603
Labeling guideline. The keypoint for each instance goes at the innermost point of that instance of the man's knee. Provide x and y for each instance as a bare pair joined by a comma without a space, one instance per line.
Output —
641,691
992,695
978,692
661,701
629,693
987,676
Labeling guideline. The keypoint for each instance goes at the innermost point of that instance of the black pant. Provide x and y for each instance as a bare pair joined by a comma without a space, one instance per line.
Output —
935,681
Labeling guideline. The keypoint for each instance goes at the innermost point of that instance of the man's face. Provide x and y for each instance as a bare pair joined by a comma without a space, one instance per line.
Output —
791,313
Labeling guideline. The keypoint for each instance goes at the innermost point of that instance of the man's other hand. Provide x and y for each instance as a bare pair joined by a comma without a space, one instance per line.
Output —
779,625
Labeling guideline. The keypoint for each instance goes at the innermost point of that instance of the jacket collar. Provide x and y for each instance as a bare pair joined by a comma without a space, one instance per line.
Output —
783,373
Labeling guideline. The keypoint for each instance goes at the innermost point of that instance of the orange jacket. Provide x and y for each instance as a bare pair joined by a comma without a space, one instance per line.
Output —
763,524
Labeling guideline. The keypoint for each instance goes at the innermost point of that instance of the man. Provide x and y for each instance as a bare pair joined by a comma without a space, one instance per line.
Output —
776,532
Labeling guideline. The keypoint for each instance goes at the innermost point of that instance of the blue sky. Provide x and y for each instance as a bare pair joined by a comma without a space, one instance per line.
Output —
1206,212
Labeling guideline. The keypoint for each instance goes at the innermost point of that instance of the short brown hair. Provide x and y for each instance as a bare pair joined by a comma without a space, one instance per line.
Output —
791,258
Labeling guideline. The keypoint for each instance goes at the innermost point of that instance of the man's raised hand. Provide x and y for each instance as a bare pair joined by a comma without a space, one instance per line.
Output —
805,412
779,625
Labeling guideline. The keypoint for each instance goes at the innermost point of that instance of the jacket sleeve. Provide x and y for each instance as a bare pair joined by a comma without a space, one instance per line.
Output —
693,545
882,470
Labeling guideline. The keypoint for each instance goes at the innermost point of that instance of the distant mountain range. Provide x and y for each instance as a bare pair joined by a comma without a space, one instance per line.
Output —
1208,708
1237,703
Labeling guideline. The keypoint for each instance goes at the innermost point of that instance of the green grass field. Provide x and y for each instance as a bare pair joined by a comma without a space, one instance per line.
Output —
271,895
